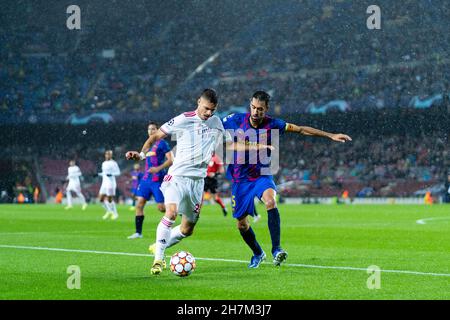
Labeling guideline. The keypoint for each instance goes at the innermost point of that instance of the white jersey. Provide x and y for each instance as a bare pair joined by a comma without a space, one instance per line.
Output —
196,141
73,175
110,168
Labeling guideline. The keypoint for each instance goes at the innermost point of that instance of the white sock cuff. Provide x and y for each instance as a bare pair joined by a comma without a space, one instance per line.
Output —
167,222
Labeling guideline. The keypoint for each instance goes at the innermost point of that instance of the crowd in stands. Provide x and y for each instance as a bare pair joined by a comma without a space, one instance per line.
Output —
392,165
150,61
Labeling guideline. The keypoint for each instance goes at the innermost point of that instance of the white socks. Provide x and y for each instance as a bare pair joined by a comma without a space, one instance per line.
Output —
175,236
69,198
113,208
83,199
163,233
107,206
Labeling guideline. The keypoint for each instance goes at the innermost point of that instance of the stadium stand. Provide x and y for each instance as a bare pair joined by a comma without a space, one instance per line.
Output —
123,73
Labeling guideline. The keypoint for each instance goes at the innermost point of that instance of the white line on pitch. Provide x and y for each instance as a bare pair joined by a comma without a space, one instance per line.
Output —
422,221
225,260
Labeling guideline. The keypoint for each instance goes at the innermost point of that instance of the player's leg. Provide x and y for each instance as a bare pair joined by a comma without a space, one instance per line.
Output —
163,232
273,217
113,207
143,194
215,195
248,235
133,200
173,194
183,230
112,203
242,201
81,196
190,207
69,198
139,218
105,204
220,202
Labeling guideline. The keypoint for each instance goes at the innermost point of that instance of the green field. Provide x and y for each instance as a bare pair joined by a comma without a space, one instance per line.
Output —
330,248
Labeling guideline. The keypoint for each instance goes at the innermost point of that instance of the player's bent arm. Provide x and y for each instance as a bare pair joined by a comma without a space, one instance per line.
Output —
309,131
134,155
151,140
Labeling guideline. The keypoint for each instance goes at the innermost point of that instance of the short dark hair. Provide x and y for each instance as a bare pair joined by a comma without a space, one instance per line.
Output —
262,96
153,123
210,95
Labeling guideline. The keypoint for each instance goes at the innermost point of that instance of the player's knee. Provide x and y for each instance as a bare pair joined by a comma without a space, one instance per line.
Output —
161,207
139,206
243,225
270,203
170,213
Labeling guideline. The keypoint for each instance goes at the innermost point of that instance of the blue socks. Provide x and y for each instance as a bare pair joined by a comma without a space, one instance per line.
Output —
274,228
250,239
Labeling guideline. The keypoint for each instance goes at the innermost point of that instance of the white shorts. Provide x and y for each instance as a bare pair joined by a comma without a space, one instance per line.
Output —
73,187
108,189
186,193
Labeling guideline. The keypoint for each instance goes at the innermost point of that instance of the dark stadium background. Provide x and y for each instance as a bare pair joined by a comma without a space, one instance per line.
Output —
307,54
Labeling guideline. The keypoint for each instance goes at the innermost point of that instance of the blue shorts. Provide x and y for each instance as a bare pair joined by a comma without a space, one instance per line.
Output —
243,195
134,191
148,188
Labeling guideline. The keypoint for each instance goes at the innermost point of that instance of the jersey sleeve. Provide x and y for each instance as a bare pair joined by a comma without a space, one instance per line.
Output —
226,136
173,124
229,122
280,125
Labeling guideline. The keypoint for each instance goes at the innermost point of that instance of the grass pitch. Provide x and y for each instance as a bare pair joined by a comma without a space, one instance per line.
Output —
330,249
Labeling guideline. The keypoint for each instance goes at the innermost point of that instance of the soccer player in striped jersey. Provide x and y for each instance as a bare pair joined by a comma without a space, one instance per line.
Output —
252,179
136,176
157,160
198,133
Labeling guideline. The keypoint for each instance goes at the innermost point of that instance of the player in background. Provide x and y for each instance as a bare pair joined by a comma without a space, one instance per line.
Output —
136,176
157,160
215,167
107,192
247,180
73,176
198,134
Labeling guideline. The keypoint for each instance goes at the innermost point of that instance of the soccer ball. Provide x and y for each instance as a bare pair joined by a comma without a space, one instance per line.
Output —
182,263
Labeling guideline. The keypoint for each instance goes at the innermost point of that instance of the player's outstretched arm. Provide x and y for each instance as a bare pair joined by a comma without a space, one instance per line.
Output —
134,155
241,146
309,131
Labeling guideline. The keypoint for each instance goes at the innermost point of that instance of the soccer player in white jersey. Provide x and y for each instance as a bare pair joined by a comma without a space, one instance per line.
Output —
198,134
73,175
110,170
